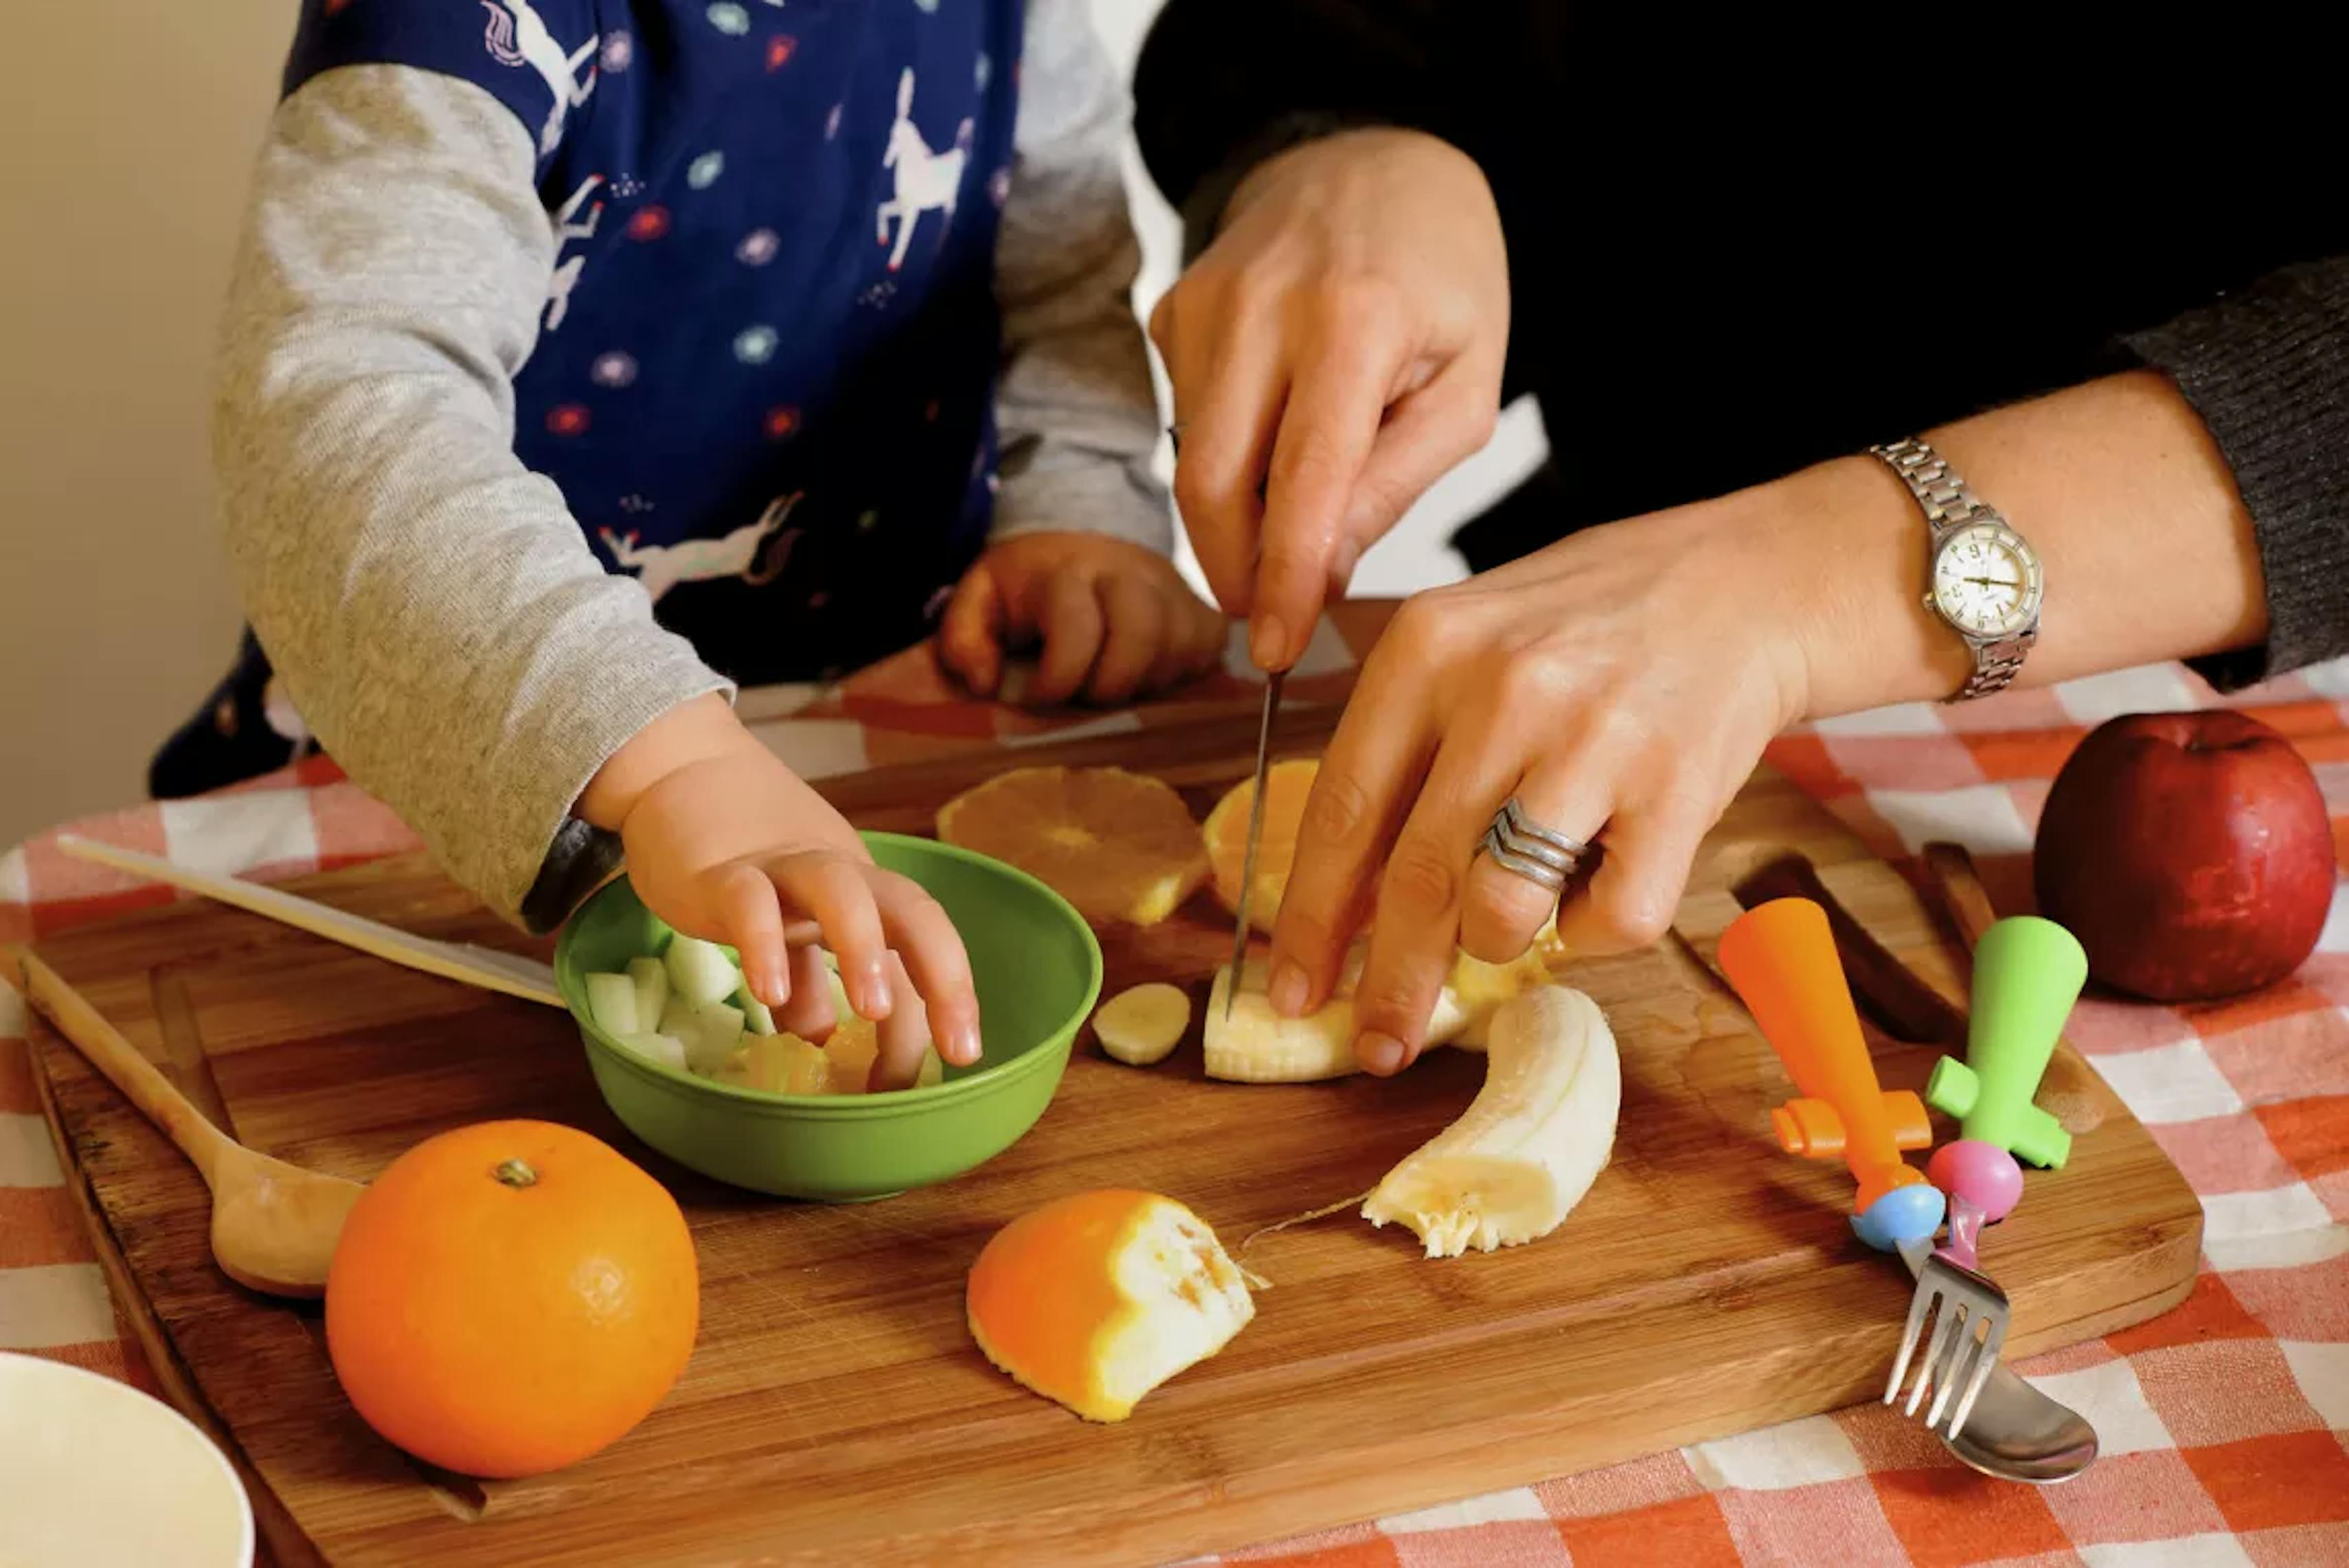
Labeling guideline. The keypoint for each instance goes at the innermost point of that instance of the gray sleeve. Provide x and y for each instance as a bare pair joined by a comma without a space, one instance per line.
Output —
1078,415
431,605
2267,369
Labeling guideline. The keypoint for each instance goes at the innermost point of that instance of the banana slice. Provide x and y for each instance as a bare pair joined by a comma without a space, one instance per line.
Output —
1256,1045
1141,1025
1539,1131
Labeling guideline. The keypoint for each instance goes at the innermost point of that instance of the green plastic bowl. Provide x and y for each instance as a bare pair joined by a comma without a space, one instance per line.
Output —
1038,970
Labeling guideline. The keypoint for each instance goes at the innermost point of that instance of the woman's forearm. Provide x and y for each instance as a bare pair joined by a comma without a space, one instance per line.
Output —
2148,549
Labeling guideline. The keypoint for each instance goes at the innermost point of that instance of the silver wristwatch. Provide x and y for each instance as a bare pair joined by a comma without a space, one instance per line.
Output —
1981,577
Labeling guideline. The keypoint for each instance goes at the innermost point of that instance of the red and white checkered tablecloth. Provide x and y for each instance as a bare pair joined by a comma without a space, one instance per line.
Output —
2224,1424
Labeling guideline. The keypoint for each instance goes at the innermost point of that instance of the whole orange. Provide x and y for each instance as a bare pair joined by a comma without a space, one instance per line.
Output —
508,1298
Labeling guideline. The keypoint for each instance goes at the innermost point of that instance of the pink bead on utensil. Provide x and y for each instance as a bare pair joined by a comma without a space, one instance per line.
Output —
1983,1174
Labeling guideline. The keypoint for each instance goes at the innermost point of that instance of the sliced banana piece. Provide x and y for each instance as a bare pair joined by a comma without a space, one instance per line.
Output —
1539,1131
1256,1045
1142,1025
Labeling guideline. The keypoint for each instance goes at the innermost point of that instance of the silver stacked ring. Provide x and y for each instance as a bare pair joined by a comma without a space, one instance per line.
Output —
1543,856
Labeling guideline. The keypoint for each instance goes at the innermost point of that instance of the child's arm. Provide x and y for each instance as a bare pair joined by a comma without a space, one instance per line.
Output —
431,603
1079,554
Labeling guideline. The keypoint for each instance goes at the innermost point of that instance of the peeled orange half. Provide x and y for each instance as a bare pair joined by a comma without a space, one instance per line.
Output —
1095,1299
1286,785
1119,846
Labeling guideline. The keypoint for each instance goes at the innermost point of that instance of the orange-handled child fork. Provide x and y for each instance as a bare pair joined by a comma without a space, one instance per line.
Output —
1781,957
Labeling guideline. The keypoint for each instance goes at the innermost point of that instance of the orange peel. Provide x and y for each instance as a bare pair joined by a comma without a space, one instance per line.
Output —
1094,1299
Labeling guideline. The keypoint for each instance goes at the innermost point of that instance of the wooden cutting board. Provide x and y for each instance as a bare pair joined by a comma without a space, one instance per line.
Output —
835,1410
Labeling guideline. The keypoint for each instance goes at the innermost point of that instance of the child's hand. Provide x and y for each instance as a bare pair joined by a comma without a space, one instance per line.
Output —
726,843
1116,620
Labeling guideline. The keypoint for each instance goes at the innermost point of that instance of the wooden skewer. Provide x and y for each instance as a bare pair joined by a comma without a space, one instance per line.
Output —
510,973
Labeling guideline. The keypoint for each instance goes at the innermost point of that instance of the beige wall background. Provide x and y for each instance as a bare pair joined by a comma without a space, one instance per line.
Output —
129,129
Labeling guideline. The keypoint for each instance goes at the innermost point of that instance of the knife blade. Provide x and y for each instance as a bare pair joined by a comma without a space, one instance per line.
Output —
1255,834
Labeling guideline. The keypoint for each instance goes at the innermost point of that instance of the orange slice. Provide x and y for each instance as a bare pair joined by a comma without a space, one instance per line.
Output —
1117,845
1095,1299
1286,785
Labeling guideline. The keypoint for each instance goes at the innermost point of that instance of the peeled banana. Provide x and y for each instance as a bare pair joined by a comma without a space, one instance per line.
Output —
1526,1152
1256,1045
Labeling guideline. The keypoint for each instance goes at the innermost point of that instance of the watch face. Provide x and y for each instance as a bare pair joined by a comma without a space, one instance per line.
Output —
1986,581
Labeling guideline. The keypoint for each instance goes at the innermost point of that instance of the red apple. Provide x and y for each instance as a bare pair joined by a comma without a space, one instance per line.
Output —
2189,852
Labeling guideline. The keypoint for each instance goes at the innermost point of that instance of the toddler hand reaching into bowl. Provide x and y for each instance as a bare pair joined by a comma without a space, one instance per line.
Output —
726,843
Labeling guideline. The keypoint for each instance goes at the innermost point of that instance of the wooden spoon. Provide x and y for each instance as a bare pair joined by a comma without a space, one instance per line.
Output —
275,1225
2069,1090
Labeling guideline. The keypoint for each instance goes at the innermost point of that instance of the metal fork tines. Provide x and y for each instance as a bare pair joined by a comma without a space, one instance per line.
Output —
1969,1315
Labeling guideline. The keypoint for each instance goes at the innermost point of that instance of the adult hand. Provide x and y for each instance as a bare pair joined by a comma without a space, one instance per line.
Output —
1622,683
1625,680
1333,352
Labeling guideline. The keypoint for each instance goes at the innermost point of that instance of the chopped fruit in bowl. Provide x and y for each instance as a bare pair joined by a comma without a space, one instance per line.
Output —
1119,846
717,1089
689,1008
1095,1299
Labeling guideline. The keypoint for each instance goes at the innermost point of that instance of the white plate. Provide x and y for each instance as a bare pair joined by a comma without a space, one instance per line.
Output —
94,1474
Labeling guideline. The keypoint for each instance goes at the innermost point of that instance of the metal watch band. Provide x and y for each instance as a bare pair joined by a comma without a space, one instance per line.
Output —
1948,503
1949,506
1995,664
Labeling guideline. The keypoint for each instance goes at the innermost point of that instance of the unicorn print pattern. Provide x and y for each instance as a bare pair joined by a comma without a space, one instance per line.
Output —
570,226
662,567
517,36
706,343
926,181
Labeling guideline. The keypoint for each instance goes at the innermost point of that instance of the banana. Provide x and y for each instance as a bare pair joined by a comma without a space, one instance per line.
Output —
1143,1024
1477,989
1526,1152
1253,1044
1256,1045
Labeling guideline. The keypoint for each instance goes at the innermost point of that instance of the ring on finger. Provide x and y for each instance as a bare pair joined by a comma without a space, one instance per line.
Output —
1515,824
1542,855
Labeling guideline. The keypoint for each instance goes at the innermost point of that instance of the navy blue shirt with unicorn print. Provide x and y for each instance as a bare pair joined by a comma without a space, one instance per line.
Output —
765,371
